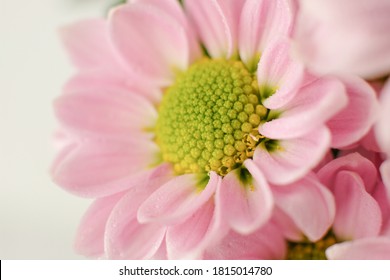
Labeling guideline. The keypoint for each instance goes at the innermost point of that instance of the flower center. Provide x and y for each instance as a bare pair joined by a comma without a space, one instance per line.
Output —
310,251
209,118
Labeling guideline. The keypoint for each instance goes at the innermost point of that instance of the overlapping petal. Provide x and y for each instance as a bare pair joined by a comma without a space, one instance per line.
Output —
173,8
263,22
246,206
278,71
89,45
177,200
125,237
204,228
355,120
98,79
266,243
358,214
311,107
352,162
101,168
363,249
291,159
90,234
105,113
309,204
158,55
216,22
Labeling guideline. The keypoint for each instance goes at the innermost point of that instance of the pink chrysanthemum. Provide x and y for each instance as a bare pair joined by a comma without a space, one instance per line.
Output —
358,226
191,126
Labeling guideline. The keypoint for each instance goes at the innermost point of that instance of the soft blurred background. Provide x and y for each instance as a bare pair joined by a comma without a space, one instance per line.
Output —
38,219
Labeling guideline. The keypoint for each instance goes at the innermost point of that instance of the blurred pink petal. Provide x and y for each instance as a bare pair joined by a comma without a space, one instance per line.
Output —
177,200
125,237
173,8
216,22
97,79
355,120
292,158
89,45
96,169
90,234
262,22
346,36
309,204
362,249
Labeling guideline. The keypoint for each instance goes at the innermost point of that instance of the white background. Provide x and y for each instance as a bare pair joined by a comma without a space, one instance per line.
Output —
38,219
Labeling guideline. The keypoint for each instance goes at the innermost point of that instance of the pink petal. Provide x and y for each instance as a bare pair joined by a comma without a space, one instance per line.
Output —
377,248
292,158
173,8
150,41
90,234
262,22
352,162
267,243
177,200
246,205
103,78
382,127
89,45
313,105
345,36
161,253
277,70
355,120
188,240
216,22
105,113
96,169
125,237
286,225
358,214
309,204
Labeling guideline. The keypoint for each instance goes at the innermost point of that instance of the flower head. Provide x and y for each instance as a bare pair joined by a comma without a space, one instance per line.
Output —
192,125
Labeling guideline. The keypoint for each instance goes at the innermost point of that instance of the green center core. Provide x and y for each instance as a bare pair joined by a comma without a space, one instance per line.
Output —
209,118
309,250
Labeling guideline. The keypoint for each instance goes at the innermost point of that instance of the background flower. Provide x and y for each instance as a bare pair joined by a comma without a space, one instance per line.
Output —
346,36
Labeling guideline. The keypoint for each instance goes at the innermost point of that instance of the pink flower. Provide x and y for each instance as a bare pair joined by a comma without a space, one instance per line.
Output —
357,225
363,210
185,149
347,36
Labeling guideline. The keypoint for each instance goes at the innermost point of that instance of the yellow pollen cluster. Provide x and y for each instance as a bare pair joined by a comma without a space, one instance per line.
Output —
209,118
309,250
